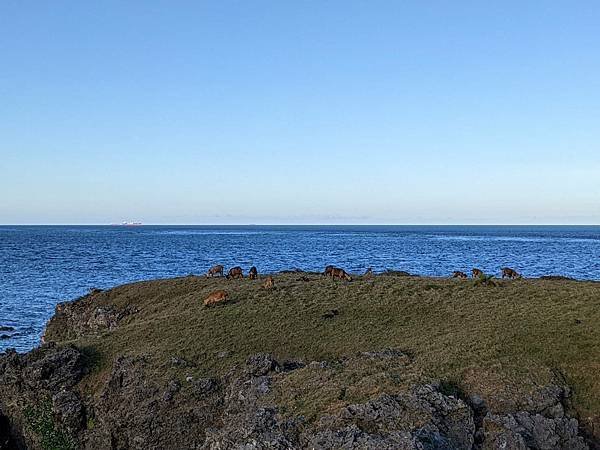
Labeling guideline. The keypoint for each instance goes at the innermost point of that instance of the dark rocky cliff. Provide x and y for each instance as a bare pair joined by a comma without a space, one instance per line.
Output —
42,408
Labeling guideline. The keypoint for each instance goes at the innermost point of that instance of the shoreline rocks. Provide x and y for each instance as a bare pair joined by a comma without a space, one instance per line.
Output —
239,410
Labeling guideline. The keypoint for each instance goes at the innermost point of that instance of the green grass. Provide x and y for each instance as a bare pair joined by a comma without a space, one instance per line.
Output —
471,334
39,419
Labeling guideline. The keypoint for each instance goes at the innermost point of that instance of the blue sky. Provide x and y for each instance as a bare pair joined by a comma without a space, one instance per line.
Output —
300,112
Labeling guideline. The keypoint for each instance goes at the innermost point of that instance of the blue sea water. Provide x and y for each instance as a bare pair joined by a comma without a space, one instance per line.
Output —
43,265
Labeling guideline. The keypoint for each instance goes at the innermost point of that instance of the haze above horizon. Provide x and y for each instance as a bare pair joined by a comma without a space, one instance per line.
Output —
300,112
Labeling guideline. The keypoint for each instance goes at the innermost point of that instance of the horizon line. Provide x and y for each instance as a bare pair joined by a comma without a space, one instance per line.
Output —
299,224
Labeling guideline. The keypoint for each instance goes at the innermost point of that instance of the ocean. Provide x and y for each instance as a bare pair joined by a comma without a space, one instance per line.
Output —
41,266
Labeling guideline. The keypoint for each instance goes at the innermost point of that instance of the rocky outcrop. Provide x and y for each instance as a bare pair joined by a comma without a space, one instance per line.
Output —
422,418
88,315
524,430
42,406
135,412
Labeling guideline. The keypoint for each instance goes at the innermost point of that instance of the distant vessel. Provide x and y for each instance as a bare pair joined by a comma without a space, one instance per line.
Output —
128,224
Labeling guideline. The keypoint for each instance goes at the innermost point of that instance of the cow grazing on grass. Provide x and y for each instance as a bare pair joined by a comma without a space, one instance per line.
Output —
507,272
269,283
215,270
327,271
340,273
458,274
253,273
476,273
215,298
235,272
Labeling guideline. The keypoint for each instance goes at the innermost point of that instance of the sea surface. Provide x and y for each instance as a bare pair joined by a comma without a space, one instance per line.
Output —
41,266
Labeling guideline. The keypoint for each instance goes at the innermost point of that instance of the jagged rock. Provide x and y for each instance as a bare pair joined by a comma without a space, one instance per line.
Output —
59,368
423,418
69,410
134,412
291,364
40,384
172,388
241,411
205,386
86,315
524,430
352,437
261,364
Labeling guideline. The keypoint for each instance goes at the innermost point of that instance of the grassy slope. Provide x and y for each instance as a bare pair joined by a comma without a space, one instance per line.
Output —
454,329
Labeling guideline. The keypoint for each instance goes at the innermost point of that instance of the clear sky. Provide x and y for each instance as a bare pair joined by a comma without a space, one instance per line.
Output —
398,112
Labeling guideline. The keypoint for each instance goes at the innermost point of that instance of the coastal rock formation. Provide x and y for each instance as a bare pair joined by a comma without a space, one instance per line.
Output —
37,399
146,366
90,314
524,430
42,407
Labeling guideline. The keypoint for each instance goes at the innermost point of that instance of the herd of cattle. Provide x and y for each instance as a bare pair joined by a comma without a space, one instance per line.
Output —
238,272
330,271
507,272
336,272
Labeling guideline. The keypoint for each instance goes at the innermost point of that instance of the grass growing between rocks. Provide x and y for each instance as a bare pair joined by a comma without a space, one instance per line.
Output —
471,334
40,420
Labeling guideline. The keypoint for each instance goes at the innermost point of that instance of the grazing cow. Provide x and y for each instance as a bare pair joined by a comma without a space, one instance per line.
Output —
269,283
476,273
216,297
235,272
340,273
458,274
510,273
369,272
328,270
215,270
253,273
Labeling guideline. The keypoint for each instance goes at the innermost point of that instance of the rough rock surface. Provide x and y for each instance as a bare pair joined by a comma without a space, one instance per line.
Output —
423,418
35,387
134,411
524,430
92,313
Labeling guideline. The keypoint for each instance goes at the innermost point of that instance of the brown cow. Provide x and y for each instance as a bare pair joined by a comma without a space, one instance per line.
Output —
458,274
216,297
215,270
340,273
235,272
476,273
253,273
328,270
269,283
510,273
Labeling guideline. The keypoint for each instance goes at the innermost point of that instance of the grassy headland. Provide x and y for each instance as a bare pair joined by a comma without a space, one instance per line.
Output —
474,337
